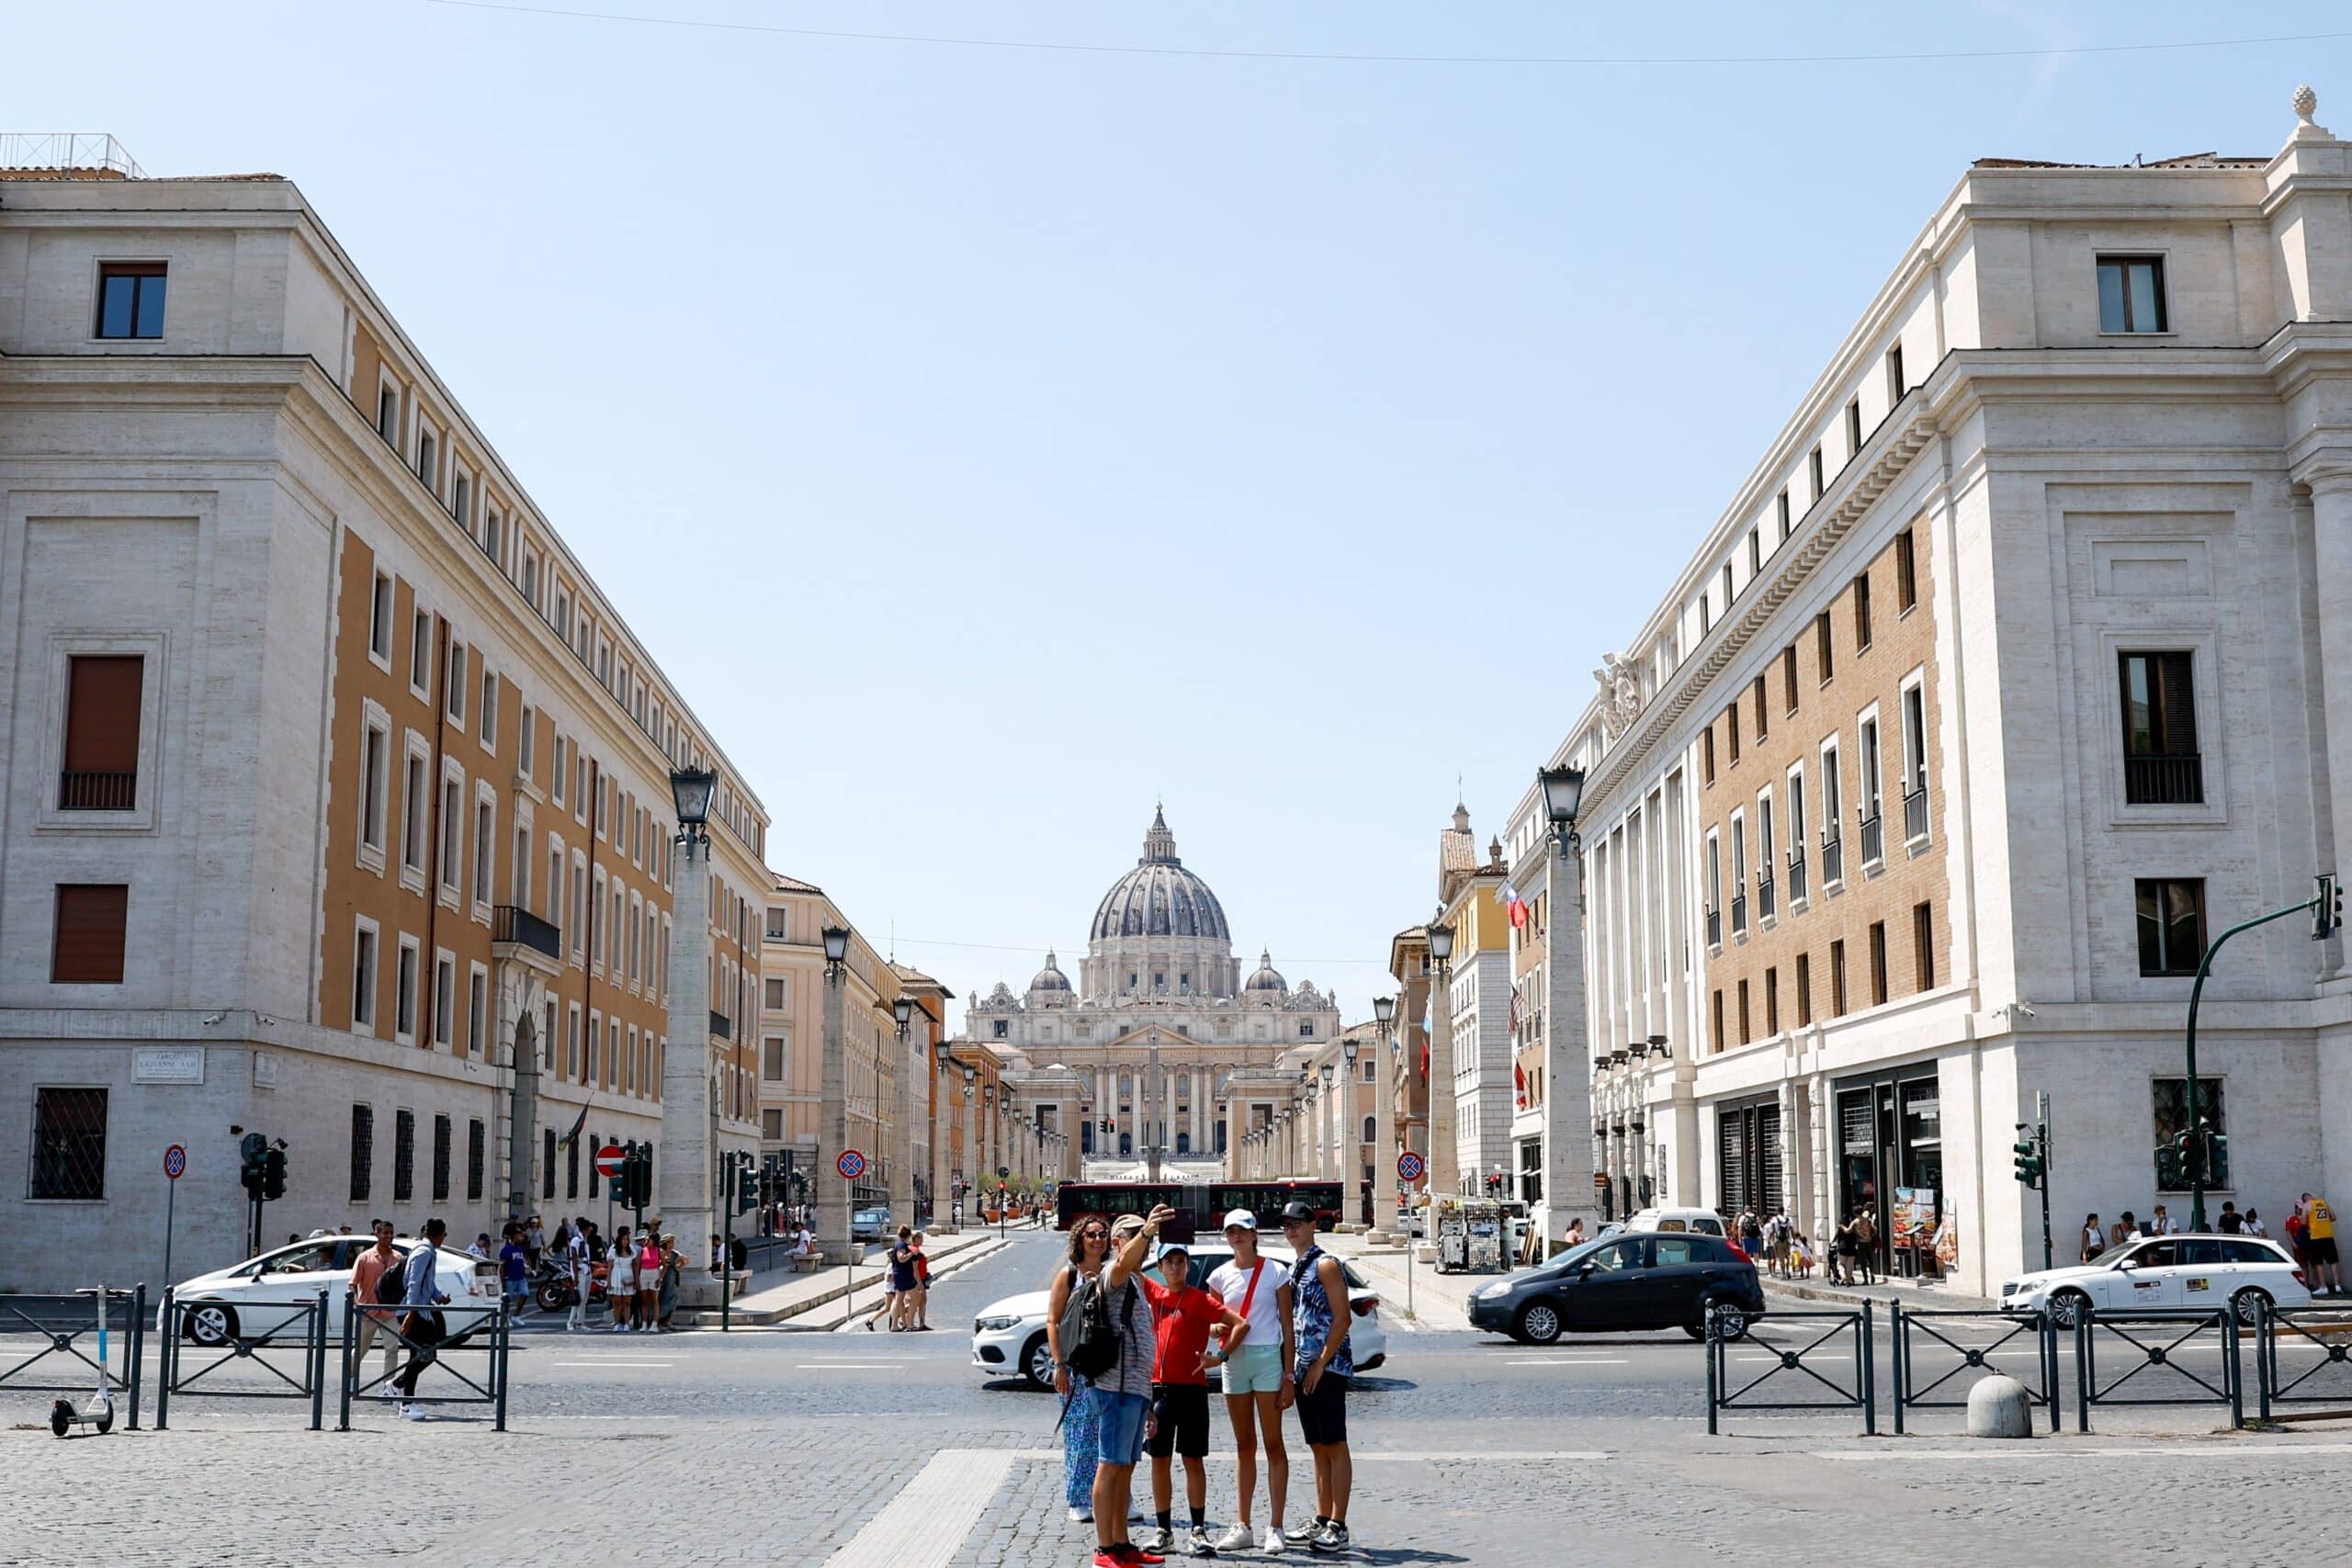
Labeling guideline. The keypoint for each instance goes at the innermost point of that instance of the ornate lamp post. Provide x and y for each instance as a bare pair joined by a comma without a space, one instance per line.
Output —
1568,1146
941,1085
687,1161
833,1214
1386,1143
1443,1154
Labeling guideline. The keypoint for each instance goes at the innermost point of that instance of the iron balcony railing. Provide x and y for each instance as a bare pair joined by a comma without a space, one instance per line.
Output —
1796,876
1738,913
97,791
1833,858
721,1026
511,923
1915,813
1873,840
1763,894
2173,780
1715,928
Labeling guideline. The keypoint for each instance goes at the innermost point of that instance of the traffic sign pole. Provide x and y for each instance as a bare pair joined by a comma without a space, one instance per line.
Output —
850,1164
175,1167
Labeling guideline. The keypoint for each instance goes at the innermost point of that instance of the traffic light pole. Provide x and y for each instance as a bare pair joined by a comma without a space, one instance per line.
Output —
727,1201
2323,908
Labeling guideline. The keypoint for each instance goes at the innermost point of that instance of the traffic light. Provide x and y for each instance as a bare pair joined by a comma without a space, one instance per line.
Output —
747,1185
2028,1161
252,1152
2327,909
273,1175
2217,1157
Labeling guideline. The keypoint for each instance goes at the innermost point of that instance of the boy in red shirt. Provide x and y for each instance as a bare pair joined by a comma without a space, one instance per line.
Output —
1185,1315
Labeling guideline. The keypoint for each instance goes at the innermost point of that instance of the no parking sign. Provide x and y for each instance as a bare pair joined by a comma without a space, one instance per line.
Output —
1409,1166
852,1164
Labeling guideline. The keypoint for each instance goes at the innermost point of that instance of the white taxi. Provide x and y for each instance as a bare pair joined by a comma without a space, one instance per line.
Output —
2168,1272
263,1295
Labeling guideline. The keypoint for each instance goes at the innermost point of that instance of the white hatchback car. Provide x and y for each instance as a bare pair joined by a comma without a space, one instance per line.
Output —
262,1295
1008,1336
2166,1271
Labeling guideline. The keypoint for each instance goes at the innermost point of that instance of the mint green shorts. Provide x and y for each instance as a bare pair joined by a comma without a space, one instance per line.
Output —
1255,1369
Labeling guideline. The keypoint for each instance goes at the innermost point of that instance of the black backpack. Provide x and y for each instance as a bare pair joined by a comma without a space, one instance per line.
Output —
1090,1342
392,1282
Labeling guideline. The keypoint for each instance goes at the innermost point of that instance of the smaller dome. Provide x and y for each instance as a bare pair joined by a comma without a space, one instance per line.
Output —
1265,979
1050,978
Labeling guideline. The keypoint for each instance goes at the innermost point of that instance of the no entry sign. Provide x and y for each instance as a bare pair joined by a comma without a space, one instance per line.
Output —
174,1161
609,1158
852,1164
1409,1166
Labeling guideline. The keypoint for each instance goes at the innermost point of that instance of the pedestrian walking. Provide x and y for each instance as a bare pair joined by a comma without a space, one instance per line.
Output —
620,1281
422,1325
1184,1316
2319,1246
1258,1387
514,1271
1089,1241
898,1303
367,1271
535,1241
673,1267
577,1259
1575,1236
2094,1238
649,1281
923,1285
1321,1370
2294,1236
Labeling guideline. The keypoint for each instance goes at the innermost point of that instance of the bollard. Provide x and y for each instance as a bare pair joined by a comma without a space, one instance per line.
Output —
1997,1407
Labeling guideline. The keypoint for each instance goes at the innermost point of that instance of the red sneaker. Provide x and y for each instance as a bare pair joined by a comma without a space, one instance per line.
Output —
1137,1554
1107,1557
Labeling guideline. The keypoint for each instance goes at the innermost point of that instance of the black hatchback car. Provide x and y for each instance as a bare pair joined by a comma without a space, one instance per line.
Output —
1650,1279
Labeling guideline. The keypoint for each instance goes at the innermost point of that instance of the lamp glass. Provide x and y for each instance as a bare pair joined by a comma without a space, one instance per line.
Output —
903,1010
1384,1009
690,791
1562,792
1440,937
836,938
1350,1047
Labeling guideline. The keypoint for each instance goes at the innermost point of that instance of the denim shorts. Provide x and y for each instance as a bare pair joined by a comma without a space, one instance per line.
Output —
1254,1369
1120,1417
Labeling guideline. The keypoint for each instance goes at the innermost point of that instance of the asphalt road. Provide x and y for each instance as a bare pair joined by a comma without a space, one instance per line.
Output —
818,1448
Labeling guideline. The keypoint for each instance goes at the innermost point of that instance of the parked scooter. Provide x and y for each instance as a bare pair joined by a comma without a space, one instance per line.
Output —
554,1290
98,1409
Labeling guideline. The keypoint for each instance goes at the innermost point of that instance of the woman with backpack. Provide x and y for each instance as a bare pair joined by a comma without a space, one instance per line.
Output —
1090,1244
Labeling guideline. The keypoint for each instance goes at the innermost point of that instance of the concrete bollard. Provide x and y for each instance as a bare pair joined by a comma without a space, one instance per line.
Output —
1997,1407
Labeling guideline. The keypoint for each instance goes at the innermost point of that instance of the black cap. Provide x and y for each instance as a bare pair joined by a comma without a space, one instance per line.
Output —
1296,1211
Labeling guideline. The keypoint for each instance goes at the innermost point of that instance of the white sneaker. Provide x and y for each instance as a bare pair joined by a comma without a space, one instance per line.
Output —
1081,1516
1156,1540
1275,1544
412,1413
1238,1538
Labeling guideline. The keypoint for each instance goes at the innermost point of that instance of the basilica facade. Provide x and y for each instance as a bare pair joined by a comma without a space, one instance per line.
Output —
1162,1045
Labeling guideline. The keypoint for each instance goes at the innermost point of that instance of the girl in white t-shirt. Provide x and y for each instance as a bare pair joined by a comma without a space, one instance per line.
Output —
620,1279
1256,1373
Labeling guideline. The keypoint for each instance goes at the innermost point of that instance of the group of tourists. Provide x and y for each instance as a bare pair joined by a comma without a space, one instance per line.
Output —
1131,1358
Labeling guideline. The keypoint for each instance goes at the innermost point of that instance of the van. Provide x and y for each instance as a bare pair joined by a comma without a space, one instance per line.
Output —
1706,1222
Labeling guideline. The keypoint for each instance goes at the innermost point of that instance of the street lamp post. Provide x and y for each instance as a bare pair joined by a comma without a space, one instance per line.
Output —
902,1121
941,1201
1386,1143
685,1161
1156,1111
1568,1117
834,1215
1443,1157
971,1142
1348,1048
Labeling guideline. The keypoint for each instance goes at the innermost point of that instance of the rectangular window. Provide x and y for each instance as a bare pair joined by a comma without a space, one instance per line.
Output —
101,771
1837,979
1853,428
1915,762
484,849
1906,573
403,1156
2161,763
1705,619
412,807
388,413
595,1141
131,300
489,720
2131,294
478,1014
1755,553
461,497
1896,386
2171,1118
92,920
404,994
776,995
561,771
363,980
526,741
1745,1036
1780,506
444,1000
363,1152
420,654
1715,886
457,683
772,1059
570,1167
1707,753
779,926
493,540
1715,1041
441,1138
69,1143
1805,988
1922,945
1822,653
1878,963
1729,595
477,1151
452,829
1731,731
1814,471
1868,781
2171,924
1771,1001
1763,719
379,618
428,468
1862,612
1789,677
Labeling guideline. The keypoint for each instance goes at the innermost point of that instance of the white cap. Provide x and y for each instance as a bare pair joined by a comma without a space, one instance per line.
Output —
1241,1217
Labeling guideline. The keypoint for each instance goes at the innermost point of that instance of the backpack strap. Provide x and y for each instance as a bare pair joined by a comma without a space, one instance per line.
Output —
1252,1293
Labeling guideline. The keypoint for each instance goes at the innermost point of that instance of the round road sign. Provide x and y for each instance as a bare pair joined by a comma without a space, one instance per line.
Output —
1409,1166
609,1158
852,1164
174,1161
1002,1171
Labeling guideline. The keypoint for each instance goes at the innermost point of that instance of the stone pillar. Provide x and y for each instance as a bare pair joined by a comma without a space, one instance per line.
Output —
1567,1055
831,1196
686,1163
902,1132
1444,1176
2332,585
521,1031
1383,1132
940,1112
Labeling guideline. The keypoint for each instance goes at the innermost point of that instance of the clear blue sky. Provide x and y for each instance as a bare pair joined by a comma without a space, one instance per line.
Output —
988,440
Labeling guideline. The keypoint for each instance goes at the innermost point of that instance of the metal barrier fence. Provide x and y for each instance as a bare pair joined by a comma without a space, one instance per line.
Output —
490,1328
299,1325
1909,1325
2329,1331
2156,1336
1722,1396
60,1321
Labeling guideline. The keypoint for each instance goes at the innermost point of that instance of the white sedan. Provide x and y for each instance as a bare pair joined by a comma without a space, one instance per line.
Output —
2166,1271
1008,1335
263,1295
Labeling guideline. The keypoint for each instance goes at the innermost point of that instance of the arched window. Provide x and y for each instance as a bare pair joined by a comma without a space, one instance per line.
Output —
1371,1129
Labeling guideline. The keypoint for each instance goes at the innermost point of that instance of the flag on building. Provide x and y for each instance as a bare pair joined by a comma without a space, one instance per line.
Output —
1519,1082
573,1136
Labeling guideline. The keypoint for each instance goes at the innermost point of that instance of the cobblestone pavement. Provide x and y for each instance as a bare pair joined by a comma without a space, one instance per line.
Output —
816,1449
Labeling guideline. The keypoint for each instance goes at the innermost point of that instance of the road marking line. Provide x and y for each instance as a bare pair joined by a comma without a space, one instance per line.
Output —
2042,1451
1578,1362
845,1366
925,1525
1517,1457
612,1363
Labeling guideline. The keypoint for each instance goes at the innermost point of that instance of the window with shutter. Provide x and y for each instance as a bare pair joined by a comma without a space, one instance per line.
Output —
91,920
403,1156
441,1160
69,1143
101,771
2162,765
477,1158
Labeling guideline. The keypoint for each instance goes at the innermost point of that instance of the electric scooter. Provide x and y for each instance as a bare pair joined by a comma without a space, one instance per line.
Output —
98,1410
